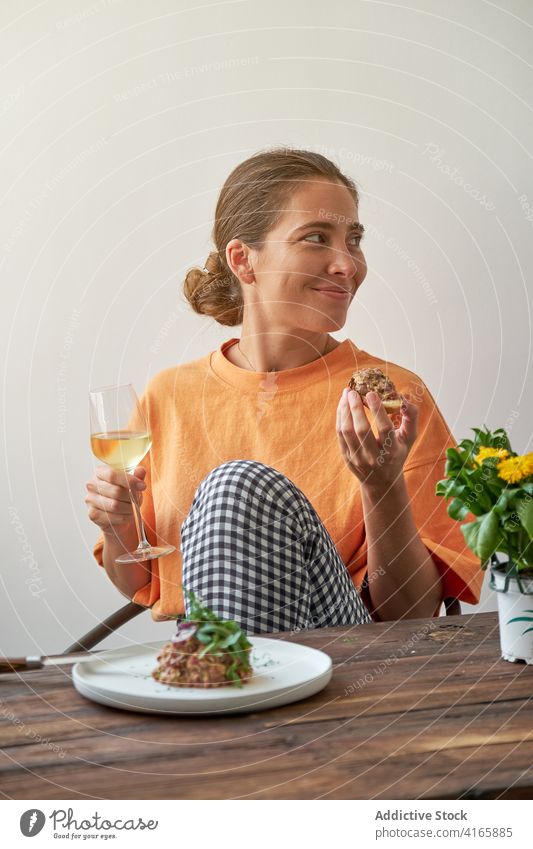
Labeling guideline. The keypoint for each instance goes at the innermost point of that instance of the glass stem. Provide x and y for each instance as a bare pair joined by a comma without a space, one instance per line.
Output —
143,542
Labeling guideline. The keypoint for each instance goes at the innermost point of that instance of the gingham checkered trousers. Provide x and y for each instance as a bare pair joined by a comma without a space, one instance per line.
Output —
255,550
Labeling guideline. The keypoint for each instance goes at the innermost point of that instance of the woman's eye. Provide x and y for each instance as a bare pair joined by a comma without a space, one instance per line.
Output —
317,239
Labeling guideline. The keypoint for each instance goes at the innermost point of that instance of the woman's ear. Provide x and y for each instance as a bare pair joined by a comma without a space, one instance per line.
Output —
239,260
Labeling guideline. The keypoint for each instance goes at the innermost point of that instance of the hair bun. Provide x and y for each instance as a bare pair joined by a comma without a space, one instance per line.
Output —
214,265
213,291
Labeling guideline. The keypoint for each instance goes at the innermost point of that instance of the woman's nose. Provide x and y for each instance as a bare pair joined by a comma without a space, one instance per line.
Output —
343,263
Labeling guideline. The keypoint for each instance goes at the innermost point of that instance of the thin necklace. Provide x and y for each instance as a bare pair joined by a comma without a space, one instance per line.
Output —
246,358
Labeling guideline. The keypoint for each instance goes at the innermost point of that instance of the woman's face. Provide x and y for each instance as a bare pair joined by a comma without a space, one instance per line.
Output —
314,250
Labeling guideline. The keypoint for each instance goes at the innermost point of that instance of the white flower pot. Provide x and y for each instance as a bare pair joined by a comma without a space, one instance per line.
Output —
515,611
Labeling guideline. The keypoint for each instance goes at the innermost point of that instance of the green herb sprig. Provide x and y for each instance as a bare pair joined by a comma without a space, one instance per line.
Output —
219,635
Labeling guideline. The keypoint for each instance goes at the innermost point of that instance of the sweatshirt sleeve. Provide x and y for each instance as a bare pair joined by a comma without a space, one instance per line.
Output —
460,569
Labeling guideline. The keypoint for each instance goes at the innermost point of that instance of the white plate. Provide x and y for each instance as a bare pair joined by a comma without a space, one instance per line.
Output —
284,672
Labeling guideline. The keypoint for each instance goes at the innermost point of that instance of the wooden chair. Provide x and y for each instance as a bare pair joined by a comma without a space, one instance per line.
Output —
452,606
105,628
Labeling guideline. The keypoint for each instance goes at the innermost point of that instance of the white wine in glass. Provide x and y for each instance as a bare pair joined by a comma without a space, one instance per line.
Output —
120,438
121,449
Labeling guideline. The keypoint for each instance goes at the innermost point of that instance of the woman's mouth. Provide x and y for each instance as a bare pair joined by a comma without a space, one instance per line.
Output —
337,294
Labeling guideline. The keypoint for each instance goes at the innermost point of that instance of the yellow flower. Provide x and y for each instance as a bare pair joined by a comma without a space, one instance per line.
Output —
528,462
516,469
483,453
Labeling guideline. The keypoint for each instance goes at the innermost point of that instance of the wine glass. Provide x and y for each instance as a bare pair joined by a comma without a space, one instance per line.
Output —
120,438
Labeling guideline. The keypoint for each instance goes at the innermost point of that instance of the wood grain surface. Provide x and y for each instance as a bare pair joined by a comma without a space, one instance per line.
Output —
415,709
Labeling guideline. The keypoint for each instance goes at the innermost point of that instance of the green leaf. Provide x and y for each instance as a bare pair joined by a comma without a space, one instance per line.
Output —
209,648
203,638
441,487
470,531
482,498
456,489
474,506
501,440
488,536
525,514
450,487
457,510
453,461
232,675
511,523
504,500
230,641
209,627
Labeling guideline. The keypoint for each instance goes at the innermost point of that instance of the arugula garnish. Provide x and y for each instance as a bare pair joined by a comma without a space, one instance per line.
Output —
218,635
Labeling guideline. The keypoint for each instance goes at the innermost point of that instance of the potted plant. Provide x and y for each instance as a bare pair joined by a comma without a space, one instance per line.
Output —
486,478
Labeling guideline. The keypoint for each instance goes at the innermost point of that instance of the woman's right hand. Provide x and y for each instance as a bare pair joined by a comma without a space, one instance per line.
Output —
108,499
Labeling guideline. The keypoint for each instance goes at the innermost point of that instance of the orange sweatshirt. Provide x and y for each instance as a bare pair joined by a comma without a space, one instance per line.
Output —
209,411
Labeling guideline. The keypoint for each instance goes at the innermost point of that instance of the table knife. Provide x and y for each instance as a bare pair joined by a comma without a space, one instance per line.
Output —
35,661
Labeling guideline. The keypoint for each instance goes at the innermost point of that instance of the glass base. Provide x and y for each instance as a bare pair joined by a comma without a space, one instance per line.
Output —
151,553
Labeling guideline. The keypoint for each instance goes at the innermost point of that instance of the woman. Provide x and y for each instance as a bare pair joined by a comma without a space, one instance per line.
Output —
289,505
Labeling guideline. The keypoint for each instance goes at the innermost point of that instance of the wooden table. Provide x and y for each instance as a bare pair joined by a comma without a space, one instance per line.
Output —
416,709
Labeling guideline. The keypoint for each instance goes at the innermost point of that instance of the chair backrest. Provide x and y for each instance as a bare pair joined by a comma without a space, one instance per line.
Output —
453,606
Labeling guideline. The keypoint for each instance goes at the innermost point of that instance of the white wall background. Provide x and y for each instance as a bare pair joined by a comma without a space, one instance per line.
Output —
120,120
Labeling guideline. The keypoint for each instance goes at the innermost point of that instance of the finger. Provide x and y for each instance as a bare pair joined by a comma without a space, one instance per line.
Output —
348,446
361,426
116,477
112,476
408,429
342,441
110,490
356,453
346,425
108,520
109,505
383,422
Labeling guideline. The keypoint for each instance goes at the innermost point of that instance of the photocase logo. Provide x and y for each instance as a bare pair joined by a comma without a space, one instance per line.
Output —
32,822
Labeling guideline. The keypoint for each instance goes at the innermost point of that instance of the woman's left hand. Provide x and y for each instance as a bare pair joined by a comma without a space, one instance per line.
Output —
376,462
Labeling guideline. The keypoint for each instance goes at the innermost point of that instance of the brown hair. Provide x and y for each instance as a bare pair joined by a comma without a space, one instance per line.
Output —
249,205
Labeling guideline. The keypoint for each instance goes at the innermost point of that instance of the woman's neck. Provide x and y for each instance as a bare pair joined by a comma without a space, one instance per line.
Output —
277,352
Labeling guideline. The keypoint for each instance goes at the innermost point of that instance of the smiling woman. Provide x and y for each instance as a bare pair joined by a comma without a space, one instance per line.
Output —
289,502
